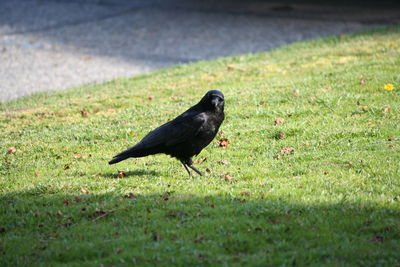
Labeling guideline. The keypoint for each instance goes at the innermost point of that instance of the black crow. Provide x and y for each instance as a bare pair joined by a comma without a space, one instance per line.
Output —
185,136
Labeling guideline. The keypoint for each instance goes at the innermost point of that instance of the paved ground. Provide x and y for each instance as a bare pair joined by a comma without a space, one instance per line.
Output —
58,44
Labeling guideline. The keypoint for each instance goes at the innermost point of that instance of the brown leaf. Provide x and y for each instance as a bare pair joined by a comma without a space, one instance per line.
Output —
156,237
228,177
364,108
199,161
287,150
84,191
78,199
231,67
386,110
151,97
378,239
66,167
279,121
200,239
166,196
224,142
84,113
224,162
79,156
277,157
362,81
97,214
281,135
11,150
37,174
67,202
130,195
220,133
392,138
121,174
245,193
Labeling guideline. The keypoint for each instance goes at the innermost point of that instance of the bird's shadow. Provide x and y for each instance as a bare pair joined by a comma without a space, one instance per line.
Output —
122,174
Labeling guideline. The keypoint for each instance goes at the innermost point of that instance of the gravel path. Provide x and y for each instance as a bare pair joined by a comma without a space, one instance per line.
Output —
54,44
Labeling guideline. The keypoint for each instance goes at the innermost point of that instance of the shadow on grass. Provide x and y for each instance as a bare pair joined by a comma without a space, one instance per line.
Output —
121,174
179,229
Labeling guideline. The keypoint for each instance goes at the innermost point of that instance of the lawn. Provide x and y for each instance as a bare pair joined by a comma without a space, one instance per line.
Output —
311,174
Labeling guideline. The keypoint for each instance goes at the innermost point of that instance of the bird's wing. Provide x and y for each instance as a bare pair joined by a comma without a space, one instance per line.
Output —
177,131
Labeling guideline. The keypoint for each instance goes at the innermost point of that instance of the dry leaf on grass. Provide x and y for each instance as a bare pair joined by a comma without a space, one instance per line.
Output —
224,142
121,174
84,113
199,161
287,150
279,121
228,177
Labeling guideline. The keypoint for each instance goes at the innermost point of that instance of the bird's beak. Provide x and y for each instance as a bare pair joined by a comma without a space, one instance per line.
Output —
215,102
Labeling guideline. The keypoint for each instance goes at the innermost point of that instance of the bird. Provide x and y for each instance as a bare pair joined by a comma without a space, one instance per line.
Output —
185,136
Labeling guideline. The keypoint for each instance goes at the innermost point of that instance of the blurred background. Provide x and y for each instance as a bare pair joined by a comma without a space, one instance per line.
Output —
58,44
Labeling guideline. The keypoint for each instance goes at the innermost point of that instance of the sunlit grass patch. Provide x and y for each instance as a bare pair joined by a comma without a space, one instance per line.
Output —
308,174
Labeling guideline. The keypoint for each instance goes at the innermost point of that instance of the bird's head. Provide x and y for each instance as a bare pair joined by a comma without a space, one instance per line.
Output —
213,100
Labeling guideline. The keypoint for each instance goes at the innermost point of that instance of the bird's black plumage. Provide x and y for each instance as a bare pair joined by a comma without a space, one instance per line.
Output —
185,136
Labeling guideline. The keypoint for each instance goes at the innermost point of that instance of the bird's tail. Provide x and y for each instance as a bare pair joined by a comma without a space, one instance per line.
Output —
117,159
133,152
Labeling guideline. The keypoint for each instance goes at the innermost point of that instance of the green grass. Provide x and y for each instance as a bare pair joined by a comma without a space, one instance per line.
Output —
334,201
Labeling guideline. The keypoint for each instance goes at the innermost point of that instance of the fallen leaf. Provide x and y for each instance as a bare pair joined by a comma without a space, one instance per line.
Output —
281,135
156,237
67,202
86,58
130,195
224,142
121,174
220,133
166,196
84,191
245,193
11,150
362,81
231,67
199,161
287,150
279,121
79,156
386,110
37,174
392,138
199,239
151,97
224,162
84,113
228,177
66,167
364,108
377,239
97,214
277,157
78,199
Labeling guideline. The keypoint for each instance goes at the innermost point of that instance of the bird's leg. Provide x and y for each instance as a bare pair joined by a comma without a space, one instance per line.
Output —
187,169
195,169
189,163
